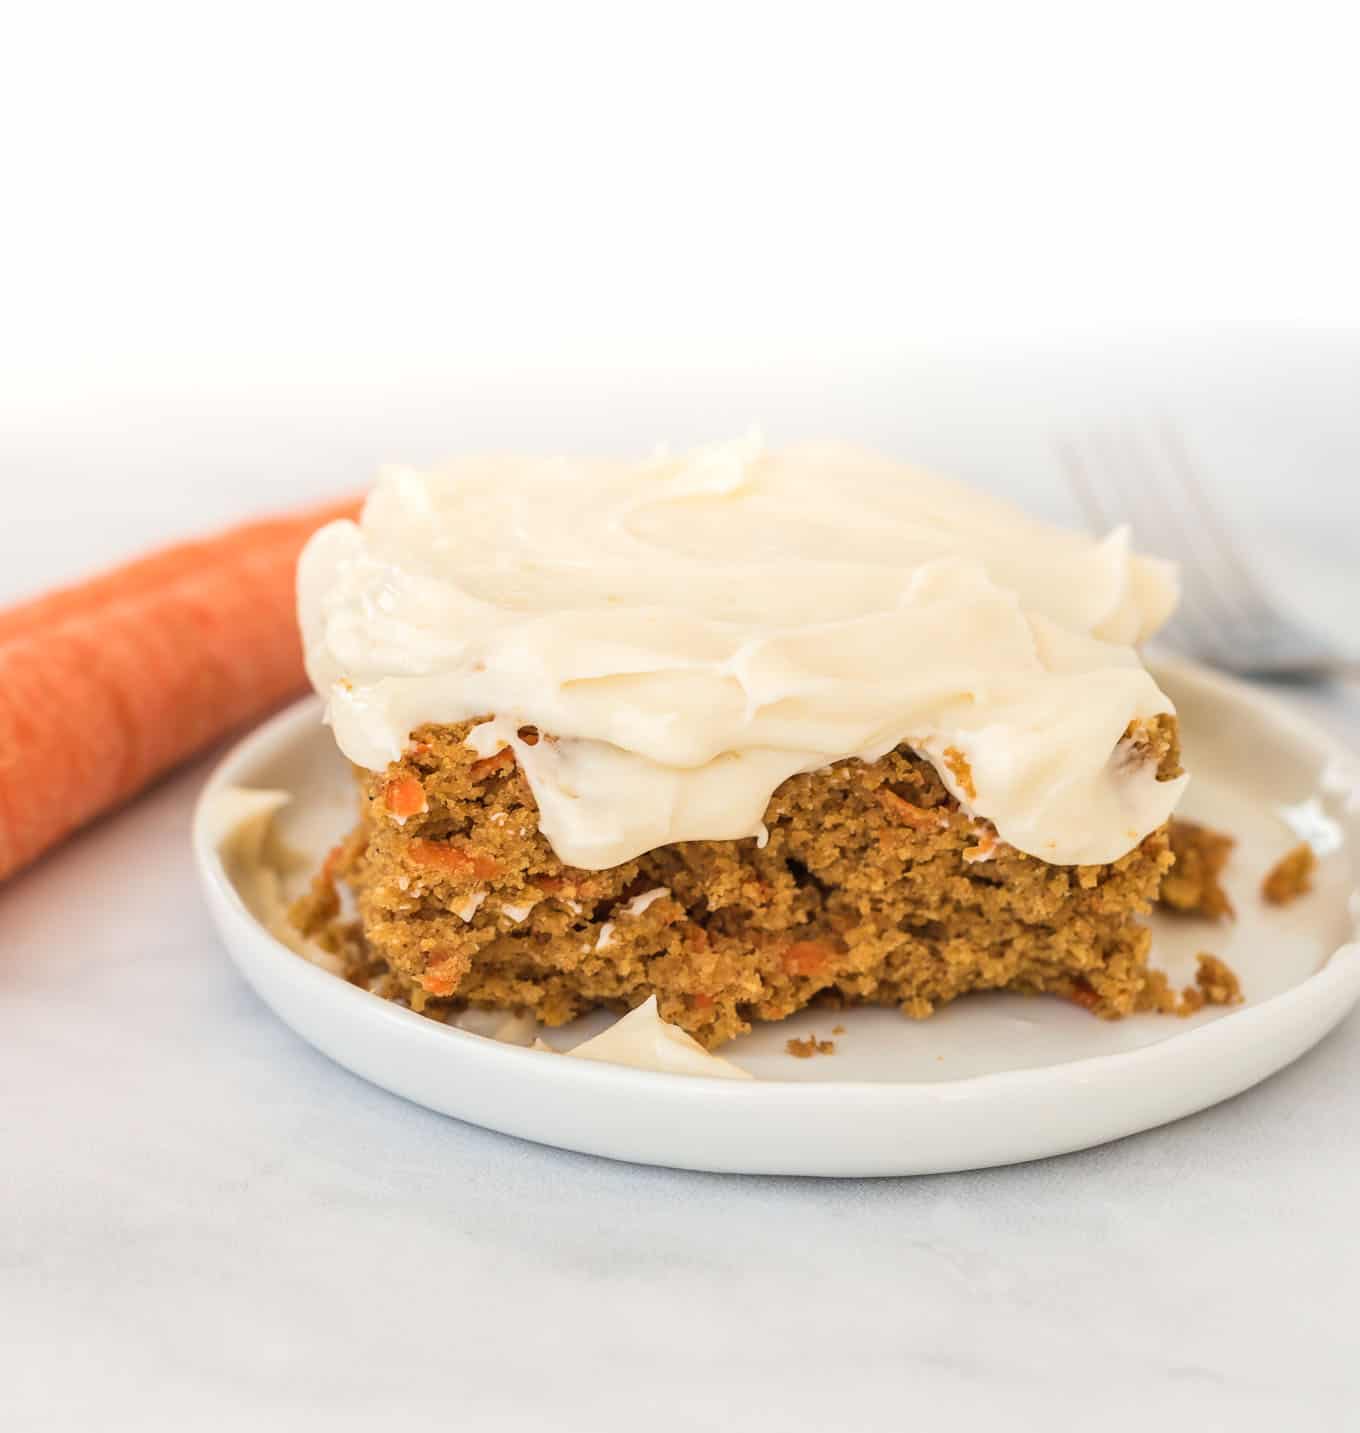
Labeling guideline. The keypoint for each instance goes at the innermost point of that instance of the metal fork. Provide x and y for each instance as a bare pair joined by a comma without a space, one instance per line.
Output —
1226,618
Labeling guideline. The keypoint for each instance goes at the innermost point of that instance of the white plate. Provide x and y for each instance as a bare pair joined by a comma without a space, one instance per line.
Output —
993,1079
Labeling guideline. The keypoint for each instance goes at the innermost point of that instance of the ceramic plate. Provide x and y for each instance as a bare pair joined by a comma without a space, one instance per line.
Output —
993,1079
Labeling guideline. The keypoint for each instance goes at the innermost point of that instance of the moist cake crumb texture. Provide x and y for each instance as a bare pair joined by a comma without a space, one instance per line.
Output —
873,886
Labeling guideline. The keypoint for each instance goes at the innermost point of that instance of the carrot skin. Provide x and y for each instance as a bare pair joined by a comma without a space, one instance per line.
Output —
110,683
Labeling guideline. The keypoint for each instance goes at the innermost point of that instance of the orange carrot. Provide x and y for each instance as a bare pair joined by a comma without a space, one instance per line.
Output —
405,797
489,765
112,682
440,856
806,957
901,810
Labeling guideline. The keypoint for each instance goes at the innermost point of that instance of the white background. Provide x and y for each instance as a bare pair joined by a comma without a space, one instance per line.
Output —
249,251
291,198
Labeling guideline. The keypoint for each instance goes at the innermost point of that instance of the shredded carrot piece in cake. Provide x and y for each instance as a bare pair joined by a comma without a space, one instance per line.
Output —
440,857
1082,994
806,957
916,817
957,762
445,972
985,849
567,890
488,765
435,983
405,797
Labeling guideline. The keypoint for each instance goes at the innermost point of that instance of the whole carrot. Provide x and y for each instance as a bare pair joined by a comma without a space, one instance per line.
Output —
107,684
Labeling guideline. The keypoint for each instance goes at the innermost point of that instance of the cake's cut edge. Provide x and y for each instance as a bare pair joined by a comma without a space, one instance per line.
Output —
873,886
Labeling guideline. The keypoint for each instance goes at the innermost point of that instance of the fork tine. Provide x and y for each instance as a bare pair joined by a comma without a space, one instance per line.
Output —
1226,615
1205,603
1069,455
1251,596
1112,488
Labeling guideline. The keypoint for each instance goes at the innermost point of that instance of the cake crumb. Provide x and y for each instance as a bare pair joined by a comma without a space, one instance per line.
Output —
806,1049
1290,877
1192,886
1154,740
1216,983
1157,995
838,1029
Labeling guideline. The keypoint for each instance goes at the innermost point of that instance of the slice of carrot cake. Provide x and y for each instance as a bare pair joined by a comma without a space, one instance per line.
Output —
741,730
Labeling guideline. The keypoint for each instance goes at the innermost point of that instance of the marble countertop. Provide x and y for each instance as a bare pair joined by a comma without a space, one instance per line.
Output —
204,1223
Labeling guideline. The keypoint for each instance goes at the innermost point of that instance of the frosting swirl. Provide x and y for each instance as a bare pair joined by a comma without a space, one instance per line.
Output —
693,630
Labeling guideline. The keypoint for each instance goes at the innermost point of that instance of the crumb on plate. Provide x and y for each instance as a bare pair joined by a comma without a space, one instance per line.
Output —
1290,877
806,1049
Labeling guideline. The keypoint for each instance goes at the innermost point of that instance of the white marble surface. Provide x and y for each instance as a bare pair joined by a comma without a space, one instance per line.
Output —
205,1224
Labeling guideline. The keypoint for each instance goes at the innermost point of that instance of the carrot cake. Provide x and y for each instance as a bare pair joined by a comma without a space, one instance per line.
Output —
738,730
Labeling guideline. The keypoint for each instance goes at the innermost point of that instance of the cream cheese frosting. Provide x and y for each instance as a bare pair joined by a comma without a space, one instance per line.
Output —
645,1041
239,821
690,631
